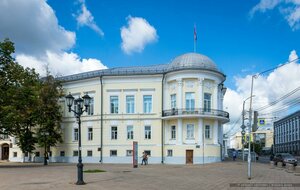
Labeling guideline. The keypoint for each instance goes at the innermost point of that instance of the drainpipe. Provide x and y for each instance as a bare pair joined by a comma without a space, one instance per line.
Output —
101,123
221,147
162,121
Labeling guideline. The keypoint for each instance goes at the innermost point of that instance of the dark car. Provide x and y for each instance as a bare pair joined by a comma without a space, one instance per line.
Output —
285,158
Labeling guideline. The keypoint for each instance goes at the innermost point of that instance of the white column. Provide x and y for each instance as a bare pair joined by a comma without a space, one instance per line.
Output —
215,127
179,124
200,131
215,96
200,82
179,92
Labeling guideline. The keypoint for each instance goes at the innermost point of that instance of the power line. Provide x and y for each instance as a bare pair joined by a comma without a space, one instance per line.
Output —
278,100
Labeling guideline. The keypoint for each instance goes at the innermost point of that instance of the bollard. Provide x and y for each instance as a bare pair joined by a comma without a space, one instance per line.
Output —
280,165
290,168
272,165
297,170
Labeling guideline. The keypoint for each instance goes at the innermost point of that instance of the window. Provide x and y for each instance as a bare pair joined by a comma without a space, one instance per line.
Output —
90,133
62,153
75,134
170,153
207,132
129,104
75,152
147,132
114,104
114,133
129,152
173,101
26,154
89,153
15,154
50,154
37,154
190,101
148,152
91,107
147,99
129,132
173,132
113,153
207,102
190,131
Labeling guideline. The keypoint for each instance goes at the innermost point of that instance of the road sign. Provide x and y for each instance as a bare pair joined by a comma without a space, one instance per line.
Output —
261,121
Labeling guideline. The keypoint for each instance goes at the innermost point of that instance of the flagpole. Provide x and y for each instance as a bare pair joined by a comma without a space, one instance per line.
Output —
195,38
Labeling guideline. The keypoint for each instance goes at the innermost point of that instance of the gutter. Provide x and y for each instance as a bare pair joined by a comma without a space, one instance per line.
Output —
162,121
101,123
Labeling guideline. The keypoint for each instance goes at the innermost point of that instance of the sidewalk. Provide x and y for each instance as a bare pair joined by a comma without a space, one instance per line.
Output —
216,176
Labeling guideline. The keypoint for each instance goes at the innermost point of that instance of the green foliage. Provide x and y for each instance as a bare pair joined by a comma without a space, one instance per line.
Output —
49,133
257,147
18,97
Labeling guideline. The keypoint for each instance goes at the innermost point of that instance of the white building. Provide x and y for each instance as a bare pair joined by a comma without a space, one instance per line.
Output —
174,112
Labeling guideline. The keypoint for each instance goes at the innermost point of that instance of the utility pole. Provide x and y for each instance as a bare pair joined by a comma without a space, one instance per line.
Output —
243,126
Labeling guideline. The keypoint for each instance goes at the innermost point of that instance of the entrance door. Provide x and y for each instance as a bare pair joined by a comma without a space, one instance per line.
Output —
189,156
5,152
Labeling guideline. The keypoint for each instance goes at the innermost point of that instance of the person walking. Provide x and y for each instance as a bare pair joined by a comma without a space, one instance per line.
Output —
234,155
144,158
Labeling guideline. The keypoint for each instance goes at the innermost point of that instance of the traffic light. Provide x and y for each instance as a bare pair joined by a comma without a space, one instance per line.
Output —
254,126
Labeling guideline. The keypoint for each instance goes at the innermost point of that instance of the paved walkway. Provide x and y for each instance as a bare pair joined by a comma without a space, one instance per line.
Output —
214,176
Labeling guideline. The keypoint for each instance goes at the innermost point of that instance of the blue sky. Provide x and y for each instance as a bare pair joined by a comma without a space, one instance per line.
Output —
226,33
242,37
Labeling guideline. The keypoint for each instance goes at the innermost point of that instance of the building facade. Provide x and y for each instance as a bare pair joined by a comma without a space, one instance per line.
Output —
174,111
287,134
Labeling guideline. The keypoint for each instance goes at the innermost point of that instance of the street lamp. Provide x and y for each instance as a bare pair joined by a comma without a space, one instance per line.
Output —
243,125
80,104
45,134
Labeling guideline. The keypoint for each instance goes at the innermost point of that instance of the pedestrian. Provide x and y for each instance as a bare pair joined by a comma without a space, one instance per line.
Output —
144,156
234,155
146,159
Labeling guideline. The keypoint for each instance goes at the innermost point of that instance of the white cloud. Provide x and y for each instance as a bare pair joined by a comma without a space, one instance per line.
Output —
60,63
267,88
290,9
85,18
137,35
33,26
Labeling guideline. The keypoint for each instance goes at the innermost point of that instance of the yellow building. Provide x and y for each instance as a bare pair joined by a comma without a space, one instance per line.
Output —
174,112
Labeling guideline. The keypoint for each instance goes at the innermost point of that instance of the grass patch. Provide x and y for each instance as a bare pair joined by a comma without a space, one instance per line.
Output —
94,171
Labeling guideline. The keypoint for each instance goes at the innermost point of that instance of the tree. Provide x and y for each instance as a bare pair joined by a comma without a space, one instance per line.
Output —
50,115
257,147
19,98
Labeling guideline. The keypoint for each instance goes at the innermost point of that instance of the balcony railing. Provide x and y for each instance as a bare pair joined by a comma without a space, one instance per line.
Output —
195,111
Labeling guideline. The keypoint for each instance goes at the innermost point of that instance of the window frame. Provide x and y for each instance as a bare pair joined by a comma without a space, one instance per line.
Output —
111,153
190,101
189,131
114,109
114,133
207,132
173,132
207,103
173,101
130,105
147,105
147,133
130,134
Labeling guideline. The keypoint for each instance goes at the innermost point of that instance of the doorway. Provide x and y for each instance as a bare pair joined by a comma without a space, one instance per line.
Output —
189,156
5,152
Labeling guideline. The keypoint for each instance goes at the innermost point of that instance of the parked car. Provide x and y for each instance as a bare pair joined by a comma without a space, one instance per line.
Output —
285,158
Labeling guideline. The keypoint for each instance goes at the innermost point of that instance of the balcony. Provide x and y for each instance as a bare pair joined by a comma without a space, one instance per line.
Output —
196,112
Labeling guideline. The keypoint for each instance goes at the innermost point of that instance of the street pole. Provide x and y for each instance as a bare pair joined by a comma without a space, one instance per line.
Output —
79,165
249,129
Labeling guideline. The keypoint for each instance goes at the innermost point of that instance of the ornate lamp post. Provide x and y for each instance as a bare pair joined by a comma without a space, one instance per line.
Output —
82,105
